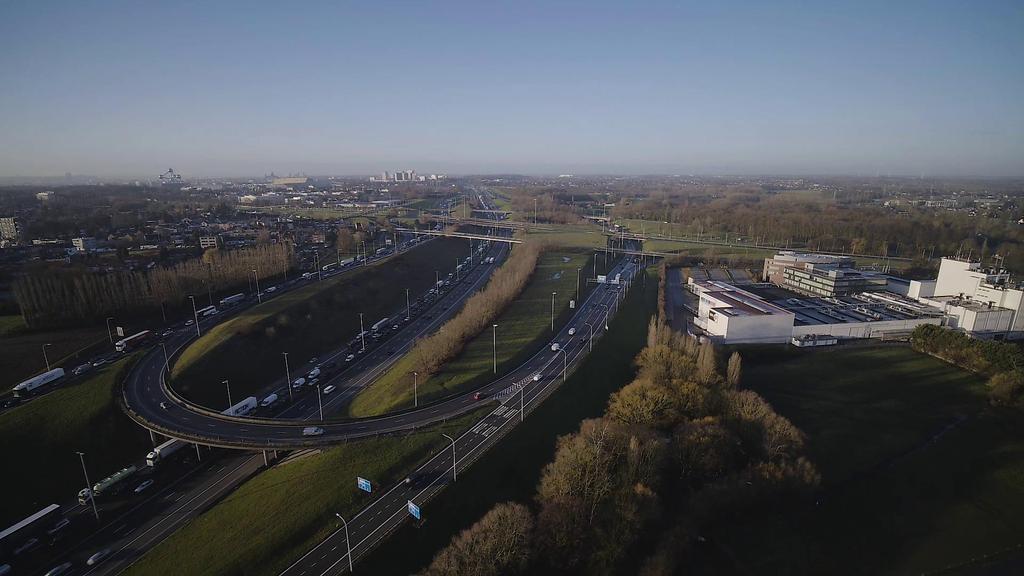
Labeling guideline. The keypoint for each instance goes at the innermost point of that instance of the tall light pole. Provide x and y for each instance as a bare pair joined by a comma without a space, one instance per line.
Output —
454,473
408,309
228,386
437,278
553,311
591,336
288,378
347,545
316,262
415,389
88,486
259,297
320,401
110,334
565,364
195,315
494,346
167,365
45,359
362,333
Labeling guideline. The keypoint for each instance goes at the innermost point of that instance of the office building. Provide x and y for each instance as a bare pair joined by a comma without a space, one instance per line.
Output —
84,244
9,228
207,242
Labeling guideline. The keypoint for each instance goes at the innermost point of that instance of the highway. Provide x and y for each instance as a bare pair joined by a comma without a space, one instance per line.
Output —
517,393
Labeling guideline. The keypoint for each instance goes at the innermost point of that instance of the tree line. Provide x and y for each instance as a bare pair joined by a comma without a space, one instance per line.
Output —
679,448
430,354
60,298
1002,362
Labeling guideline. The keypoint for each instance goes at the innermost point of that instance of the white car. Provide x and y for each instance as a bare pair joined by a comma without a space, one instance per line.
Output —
350,357
142,487
313,373
97,557
298,382
572,331
555,347
330,389
536,377
312,431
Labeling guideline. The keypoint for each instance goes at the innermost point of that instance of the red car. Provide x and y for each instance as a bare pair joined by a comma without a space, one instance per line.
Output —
478,396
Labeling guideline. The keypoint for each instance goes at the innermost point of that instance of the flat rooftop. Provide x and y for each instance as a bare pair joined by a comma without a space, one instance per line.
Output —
736,301
856,308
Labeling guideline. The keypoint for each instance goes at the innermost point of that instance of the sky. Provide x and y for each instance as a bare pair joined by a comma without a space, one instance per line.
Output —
248,88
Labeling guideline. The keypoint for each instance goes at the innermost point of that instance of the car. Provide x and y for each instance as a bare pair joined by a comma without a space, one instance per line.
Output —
60,525
350,357
312,431
100,362
272,289
98,557
27,546
189,322
536,377
298,383
314,360
313,373
312,382
78,371
62,569
330,389
478,396
572,331
164,406
555,347
142,487
166,333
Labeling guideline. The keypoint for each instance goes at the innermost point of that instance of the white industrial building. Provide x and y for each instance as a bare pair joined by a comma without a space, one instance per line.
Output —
981,301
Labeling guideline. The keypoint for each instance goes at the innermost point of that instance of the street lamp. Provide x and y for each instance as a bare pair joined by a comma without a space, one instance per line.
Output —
553,311
415,391
408,310
591,336
288,378
494,346
362,333
88,486
259,297
454,474
195,314
109,334
320,401
578,286
228,386
348,546
45,359
565,364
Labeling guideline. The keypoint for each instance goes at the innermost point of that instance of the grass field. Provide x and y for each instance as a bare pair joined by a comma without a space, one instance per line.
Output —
522,328
572,236
23,349
247,349
918,471
511,470
40,439
289,508
10,325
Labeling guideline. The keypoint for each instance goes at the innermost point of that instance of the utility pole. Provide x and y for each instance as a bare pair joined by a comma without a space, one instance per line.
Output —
408,309
347,545
578,286
494,346
259,297
88,486
320,401
195,315
553,311
45,359
454,473
288,378
415,389
228,386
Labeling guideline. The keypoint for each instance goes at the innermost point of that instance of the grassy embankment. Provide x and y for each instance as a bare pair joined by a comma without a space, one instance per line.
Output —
522,328
42,436
305,322
23,349
511,470
289,508
918,471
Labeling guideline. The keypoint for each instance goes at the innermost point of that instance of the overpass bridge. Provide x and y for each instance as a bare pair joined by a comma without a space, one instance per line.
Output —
453,234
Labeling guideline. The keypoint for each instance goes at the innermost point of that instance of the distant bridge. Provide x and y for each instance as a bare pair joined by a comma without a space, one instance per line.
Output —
453,234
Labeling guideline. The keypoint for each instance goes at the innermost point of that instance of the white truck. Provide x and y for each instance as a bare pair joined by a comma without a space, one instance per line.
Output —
162,451
36,381
379,325
243,407
268,400
232,300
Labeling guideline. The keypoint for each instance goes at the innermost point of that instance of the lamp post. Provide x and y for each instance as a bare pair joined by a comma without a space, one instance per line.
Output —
88,486
415,389
288,378
454,474
228,386
45,359
553,311
408,309
565,364
320,401
167,366
195,315
362,333
259,297
110,335
591,336
347,545
578,286
494,346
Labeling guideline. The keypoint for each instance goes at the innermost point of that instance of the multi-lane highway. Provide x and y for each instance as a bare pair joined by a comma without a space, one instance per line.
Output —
518,393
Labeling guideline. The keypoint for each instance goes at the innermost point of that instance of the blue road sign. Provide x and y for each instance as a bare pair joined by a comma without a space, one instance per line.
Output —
363,484
414,510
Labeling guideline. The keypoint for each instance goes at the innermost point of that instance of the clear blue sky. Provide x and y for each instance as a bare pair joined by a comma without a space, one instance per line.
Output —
245,88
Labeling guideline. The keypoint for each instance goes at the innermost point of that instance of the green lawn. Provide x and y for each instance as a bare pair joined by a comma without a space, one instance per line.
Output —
289,508
522,328
571,235
918,472
40,439
321,316
11,324
511,470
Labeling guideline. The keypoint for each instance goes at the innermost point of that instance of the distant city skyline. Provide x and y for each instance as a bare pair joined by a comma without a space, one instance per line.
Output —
123,90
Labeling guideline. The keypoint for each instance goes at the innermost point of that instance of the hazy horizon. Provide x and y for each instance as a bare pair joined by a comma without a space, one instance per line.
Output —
121,90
